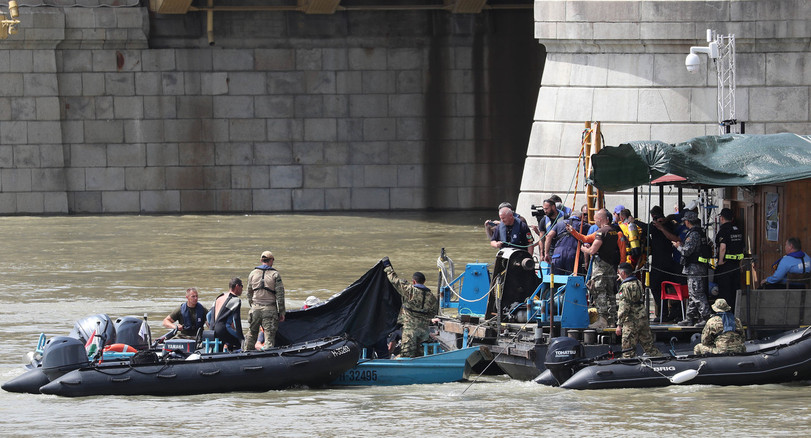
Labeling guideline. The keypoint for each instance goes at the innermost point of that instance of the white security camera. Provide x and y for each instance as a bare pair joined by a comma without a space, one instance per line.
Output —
692,62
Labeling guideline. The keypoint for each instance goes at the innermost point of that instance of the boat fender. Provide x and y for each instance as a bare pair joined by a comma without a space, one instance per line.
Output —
683,376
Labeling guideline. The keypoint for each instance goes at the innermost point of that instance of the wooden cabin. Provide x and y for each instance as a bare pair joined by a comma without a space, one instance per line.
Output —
765,181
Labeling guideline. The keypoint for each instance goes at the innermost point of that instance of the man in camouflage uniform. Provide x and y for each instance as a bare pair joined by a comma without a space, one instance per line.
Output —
633,321
602,291
698,308
723,332
266,297
419,306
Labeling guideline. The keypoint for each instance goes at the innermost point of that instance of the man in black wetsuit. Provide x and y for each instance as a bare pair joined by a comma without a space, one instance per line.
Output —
225,318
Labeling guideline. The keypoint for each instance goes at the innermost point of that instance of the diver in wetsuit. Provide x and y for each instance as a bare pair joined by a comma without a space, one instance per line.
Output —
225,318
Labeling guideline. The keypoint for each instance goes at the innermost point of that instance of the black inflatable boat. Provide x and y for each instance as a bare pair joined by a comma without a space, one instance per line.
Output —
312,363
779,359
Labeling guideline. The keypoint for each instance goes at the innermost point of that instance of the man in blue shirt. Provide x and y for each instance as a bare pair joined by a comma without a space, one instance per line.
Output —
794,262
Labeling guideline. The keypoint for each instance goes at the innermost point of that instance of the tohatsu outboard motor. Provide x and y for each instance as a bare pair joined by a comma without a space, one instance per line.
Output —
562,356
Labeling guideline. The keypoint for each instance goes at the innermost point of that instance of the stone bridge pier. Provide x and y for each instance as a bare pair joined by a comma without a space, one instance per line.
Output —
622,63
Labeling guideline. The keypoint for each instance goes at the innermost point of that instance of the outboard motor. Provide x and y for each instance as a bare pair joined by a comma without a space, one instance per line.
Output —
100,324
63,354
132,331
562,356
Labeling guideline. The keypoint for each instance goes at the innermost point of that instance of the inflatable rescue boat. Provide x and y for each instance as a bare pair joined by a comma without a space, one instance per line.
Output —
68,372
778,359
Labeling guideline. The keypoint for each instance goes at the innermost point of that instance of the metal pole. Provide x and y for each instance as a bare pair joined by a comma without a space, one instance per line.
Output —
749,330
551,305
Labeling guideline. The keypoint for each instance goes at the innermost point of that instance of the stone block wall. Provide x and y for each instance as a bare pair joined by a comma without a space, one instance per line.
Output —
104,110
622,63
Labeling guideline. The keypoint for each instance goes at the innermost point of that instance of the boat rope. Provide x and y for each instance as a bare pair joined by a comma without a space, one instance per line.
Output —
586,134
475,379
646,362
448,285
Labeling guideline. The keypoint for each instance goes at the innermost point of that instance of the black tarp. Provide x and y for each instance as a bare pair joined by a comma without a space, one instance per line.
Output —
715,160
367,311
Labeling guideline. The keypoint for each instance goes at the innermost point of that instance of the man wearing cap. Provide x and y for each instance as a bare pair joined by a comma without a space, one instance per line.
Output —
419,307
633,321
266,297
695,268
188,318
723,332
730,244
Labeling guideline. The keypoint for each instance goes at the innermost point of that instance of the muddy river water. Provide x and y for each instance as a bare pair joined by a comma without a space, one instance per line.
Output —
55,270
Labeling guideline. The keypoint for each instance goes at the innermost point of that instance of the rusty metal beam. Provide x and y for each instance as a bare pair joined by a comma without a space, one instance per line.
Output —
323,7
465,6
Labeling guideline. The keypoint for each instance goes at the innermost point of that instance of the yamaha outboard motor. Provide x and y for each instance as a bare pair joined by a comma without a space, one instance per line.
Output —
63,354
94,325
562,356
132,331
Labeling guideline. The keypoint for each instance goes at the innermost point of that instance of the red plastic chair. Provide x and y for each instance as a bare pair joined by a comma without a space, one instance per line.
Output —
680,295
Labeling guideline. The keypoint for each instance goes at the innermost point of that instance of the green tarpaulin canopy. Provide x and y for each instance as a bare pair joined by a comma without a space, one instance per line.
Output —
715,161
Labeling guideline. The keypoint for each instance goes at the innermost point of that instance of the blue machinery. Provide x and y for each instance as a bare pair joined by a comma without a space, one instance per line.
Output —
571,307
470,293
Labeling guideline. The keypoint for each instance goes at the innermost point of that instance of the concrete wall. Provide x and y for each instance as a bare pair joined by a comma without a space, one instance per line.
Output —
622,63
109,110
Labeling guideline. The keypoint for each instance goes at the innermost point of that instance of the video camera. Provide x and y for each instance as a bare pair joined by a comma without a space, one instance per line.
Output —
538,212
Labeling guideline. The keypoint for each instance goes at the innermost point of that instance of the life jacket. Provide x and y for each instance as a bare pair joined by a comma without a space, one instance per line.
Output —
704,253
514,237
262,284
734,241
192,322
609,250
632,235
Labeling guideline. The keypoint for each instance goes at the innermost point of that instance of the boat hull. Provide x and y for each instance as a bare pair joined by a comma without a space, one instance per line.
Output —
786,359
312,364
450,366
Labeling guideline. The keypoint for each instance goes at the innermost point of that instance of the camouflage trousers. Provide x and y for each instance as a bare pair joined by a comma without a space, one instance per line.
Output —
638,333
413,337
698,308
603,291
709,349
265,317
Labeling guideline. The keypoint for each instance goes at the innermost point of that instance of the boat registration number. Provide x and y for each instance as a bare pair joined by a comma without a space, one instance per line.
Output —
359,376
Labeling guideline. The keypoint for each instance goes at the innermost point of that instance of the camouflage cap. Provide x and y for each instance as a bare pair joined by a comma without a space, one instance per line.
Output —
720,305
